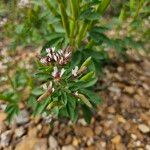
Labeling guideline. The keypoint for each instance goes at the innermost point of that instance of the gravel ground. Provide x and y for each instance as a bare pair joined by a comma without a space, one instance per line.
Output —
122,121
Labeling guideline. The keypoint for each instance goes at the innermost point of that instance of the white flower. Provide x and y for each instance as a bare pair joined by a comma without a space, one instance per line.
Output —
43,60
76,93
53,89
53,49
60,52
55,57
75,71
49,55
48,50
67,54
55,71
50,84
62,72
44,86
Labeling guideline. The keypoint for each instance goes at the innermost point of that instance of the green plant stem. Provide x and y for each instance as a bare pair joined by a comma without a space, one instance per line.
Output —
51,8
87,26
64,17
138,9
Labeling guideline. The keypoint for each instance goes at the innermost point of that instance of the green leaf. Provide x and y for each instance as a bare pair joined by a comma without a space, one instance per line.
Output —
87,62
85,100
11,110
89,14
37,91
71,105
40,107
87,114
88,76
93,97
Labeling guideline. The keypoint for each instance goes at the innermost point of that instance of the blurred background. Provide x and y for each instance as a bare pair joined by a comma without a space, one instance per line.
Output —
122,121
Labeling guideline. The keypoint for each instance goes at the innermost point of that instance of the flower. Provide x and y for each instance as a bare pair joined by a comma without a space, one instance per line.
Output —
75,71
62,72
49,87
55,72
43,60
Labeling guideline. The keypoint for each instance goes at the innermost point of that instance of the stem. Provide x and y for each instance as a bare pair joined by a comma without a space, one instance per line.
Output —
51,8
64,17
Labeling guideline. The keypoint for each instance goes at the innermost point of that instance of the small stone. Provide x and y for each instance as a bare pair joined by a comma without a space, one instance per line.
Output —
116,139
19,132
121,119
144,128
103,144
129,89
40,145
5,138
137,143
82,122
98,130
90,141
2,116
68,147
53,144
75,142
68,139
84,131
111,110
147,147
2,127
22,118
120,69
29,142
133,136
120,146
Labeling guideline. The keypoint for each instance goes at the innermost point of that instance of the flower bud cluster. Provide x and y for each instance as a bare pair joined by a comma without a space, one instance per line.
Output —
61,57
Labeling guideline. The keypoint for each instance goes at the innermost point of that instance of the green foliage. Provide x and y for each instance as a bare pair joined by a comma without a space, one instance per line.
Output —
68,87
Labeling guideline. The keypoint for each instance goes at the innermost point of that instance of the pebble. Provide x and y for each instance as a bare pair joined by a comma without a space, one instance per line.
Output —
133,136
2,116
90,141
84,131
82,122
75,141
144,128
103,144
2,127
40,145
137,143
68,147
121,119
147,147
98,130
5,138
19,132
129,89
22,118
53,144
116,139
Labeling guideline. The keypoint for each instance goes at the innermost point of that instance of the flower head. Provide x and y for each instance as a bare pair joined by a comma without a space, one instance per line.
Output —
61,56
75,71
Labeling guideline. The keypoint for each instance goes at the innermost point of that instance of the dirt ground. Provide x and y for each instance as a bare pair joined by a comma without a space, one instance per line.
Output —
122,121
